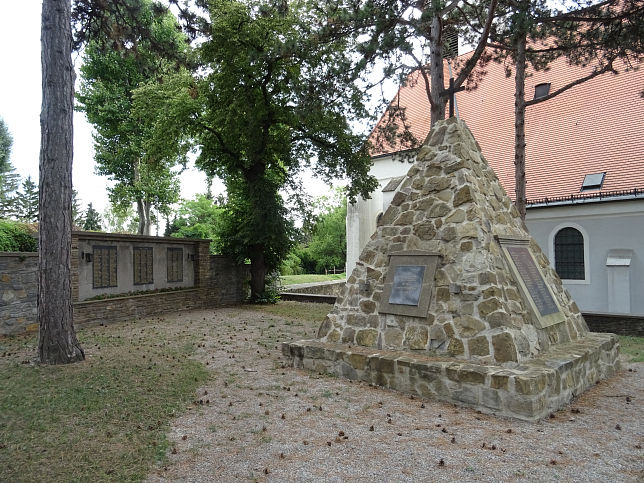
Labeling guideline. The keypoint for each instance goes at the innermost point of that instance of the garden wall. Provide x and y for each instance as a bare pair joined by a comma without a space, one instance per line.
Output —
125,276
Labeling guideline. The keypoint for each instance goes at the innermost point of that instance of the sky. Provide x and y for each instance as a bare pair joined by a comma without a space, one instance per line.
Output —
20,103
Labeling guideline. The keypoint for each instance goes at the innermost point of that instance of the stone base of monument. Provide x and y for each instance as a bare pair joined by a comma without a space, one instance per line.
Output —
530,391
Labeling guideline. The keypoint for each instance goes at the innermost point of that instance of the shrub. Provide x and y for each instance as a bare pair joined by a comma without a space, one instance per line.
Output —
16,237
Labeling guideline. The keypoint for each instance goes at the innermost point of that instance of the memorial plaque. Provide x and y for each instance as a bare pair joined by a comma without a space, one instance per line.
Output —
536,292
407,285
533,280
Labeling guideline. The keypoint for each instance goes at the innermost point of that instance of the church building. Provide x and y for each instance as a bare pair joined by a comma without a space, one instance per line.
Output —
584,171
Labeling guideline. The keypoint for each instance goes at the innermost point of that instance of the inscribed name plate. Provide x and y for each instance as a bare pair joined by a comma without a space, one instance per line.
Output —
408,286
532,283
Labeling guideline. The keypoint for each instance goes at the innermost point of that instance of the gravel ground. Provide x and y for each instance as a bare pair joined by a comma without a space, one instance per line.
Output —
259,419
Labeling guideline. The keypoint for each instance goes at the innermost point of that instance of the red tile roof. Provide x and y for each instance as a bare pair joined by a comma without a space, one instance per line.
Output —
594,127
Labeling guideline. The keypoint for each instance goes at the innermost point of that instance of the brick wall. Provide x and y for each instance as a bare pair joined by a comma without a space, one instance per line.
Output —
617,324
217,281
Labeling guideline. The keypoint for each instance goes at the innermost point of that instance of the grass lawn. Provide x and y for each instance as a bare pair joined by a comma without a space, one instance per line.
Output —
632,348
295,279
102,419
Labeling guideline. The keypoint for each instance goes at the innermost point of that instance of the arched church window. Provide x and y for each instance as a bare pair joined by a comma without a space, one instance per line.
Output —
569,254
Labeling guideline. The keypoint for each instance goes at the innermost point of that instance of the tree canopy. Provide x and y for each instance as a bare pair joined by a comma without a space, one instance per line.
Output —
273,96
146,52
198,218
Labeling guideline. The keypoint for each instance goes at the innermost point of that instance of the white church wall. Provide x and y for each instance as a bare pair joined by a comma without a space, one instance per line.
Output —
362,216
608,227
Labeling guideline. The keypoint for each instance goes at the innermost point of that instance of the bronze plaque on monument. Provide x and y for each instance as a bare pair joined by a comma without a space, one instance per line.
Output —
409,281
531,281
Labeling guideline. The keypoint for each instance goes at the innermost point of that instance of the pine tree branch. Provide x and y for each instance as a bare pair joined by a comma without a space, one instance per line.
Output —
480,48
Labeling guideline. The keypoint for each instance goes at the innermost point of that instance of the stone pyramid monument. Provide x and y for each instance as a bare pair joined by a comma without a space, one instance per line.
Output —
452,298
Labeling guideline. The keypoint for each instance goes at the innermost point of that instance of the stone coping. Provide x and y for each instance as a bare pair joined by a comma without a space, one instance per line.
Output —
308,297
181,290
294,286
527,391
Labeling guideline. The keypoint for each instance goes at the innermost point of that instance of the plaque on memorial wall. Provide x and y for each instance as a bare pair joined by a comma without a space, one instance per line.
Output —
408,285
533,285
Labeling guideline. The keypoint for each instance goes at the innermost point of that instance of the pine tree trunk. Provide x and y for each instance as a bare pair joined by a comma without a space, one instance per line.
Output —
437,75
57,339
519,127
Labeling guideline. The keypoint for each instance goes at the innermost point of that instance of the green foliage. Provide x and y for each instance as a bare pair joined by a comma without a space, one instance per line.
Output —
255,221
92,219
8,178
292,264
16,237
198,218
271,99
271,293
6,141
26,203
122,147
118,219
77,213
328,244
325,233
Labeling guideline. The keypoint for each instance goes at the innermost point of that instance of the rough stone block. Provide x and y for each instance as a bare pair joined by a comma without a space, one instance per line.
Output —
348,335
455,347
504,349
472,375
530,384
367,337
382,364
357,361
416,337
479,346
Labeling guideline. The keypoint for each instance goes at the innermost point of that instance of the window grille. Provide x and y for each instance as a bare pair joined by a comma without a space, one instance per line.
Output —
104,267
142,265
175,264
569,254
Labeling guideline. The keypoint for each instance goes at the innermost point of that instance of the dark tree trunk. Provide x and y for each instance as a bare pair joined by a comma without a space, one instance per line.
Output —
57,339
257,271
519,127
437,76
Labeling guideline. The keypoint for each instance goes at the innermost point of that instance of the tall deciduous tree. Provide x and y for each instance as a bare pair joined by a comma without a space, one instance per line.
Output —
275,95
57,341
111,71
